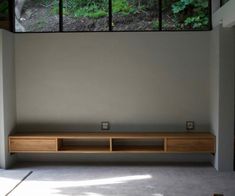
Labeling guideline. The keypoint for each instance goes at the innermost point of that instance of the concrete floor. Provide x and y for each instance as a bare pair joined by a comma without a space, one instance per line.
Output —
9,179
154,180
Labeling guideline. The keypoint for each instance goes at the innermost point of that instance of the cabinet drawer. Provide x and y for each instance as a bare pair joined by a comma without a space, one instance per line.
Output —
190,145
32,145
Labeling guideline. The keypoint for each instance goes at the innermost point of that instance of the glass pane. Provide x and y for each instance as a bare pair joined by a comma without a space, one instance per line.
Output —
3,9
36,15
4,17
135,15
185,15
85,15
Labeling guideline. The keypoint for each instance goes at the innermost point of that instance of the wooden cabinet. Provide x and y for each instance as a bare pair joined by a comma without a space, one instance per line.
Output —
112,142
190,145
32,145
137,145
84,145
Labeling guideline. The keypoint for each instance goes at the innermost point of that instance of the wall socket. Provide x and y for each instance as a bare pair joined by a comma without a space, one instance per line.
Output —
105,125
190,125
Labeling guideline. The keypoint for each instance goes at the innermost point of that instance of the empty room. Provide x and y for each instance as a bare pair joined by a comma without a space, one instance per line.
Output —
117,97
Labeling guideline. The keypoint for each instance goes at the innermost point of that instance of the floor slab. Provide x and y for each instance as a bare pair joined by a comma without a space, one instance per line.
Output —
9,179
129,180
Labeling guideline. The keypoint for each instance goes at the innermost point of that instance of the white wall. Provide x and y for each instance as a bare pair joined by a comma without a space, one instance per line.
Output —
2,143
214,86
137,81
226,113
7,95
222,95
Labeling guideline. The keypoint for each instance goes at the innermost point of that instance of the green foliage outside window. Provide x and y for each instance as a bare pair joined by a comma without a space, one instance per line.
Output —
186,14
199,15
134,15
3,9
126,7
86,8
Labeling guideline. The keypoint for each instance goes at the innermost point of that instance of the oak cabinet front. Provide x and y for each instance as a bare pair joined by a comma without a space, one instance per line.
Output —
32,144
190,145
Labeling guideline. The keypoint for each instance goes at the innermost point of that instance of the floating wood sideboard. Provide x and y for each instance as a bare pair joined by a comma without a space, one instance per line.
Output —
111,142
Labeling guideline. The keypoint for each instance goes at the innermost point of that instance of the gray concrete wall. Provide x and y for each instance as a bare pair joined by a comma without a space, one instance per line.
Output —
7,95
222,95
137,81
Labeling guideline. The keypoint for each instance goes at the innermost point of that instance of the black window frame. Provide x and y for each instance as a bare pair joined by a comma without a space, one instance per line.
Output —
12,21
11,5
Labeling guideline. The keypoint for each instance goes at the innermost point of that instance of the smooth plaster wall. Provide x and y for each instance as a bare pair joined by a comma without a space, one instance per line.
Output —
222,63
226,120
214,86
137,81
7,95
2,142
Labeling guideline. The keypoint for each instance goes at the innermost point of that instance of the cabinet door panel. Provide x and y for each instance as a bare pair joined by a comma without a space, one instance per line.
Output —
190,145
31,144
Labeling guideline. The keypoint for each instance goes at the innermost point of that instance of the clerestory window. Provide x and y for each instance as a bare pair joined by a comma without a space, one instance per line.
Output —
111,15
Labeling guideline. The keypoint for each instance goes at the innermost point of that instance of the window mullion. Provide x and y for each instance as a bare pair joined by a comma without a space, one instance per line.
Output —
110,16
60,15
160,15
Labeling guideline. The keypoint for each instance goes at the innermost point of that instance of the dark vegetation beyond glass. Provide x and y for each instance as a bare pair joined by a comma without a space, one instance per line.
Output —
185,15
135,15
3,10
4,14
126,15
85,15
36,15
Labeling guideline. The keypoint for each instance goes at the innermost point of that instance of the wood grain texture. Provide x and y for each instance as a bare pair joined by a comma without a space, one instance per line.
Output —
85,149
172,142
107,135
32,145
190,145
110,144
138,149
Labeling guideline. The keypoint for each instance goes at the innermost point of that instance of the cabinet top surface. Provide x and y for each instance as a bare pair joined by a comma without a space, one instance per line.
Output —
113,135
